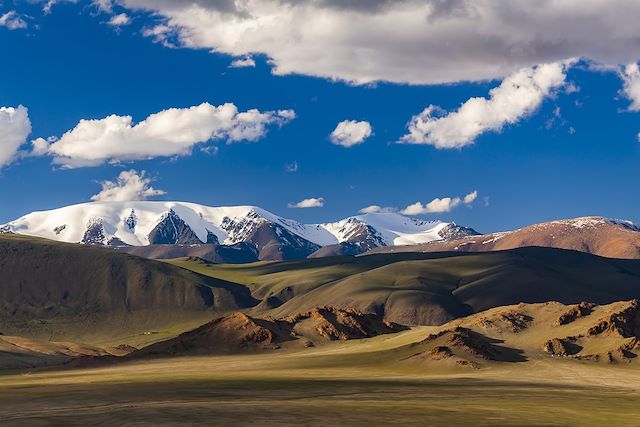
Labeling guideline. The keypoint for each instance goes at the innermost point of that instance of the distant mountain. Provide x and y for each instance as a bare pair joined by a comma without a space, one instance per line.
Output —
596,235
170,229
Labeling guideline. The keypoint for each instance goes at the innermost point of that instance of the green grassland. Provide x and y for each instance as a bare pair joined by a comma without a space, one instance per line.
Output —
344,383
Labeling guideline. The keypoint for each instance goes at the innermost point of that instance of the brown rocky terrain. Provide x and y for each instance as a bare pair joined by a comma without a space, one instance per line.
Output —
240,333
595,235
599,333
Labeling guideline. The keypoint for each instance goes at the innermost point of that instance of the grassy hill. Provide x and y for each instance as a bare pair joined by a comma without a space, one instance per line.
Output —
56,291
432,288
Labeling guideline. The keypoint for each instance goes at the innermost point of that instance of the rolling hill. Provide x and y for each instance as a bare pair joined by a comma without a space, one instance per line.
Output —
431,288
55,290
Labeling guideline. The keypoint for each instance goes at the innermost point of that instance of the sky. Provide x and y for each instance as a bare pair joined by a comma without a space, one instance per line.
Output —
315,110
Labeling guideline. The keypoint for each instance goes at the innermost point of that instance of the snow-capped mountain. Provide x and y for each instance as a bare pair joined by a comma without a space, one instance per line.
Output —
143,223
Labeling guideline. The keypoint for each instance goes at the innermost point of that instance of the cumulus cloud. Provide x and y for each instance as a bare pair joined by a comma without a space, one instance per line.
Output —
518,95
244,62
312,202
171,132
12,21
412,41
129,185
631,85
439,205
119,20
15,126
350,132
377,209
470,198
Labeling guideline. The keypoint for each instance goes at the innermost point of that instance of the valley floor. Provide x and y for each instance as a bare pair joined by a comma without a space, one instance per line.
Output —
363,382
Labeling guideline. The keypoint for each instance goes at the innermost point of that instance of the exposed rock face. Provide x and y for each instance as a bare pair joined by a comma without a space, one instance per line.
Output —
212,238
171,229
239,332
454,231
342,324
276,243
94,233
272,241
561,347
575,312
613,338
360,235
131,221
622,323
466,347
510,320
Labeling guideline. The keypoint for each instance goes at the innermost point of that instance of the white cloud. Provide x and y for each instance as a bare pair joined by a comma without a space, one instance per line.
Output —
244,62
105,6
130,185
439,205
518,95
631,85
15,126
163,34
119,20
470,198
377,209
414,41
291,167
350,132
40,146
446,204
12,21
308,203
171,132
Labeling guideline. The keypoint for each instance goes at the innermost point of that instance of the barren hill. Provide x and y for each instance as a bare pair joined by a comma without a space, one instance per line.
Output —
239,332
585,331
594,235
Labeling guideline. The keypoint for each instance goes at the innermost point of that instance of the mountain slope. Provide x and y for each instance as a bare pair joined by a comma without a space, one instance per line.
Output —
596,235
432,288
54,290
145,223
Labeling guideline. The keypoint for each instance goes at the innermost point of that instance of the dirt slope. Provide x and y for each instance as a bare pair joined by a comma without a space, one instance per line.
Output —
239,333
594,235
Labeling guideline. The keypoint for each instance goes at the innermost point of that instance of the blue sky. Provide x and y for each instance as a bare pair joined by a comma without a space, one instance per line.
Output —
574,154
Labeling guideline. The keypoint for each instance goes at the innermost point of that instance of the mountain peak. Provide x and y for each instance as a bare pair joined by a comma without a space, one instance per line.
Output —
143,223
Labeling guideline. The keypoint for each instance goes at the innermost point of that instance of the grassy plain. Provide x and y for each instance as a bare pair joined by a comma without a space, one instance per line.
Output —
363,382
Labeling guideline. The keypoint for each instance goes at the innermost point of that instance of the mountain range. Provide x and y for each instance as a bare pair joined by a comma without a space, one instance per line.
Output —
224,234
242,234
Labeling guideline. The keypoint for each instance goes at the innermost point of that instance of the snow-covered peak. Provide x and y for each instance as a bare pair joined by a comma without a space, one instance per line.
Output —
393,228
131,223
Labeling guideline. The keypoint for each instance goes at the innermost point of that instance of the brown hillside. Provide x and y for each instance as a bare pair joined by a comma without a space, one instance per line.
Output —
239,333
598,333
594,235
